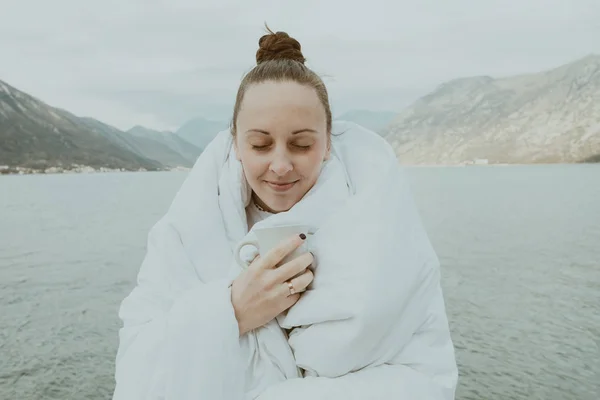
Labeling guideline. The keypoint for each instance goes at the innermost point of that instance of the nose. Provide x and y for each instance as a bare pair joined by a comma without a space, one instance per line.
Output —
281,164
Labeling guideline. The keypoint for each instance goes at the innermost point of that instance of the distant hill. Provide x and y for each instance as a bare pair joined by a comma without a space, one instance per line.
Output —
547,117
182,152
144,147
154,147
200,131
37,136
373,120
592,159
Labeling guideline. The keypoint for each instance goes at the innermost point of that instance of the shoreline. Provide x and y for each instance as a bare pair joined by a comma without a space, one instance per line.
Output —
12,171
79,169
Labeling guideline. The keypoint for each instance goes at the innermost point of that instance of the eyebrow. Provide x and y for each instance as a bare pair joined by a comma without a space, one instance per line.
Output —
293,133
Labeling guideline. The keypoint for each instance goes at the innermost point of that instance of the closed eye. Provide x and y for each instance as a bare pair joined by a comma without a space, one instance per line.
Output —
302,147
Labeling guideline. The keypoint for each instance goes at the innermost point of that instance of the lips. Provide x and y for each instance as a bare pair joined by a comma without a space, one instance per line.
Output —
281,186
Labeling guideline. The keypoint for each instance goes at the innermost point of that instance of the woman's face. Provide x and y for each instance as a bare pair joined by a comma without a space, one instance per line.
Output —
281,141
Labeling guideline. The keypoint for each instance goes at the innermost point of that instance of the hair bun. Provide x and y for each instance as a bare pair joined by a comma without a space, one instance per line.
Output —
278,46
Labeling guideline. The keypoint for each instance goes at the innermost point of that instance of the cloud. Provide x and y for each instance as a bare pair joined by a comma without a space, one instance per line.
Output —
162,62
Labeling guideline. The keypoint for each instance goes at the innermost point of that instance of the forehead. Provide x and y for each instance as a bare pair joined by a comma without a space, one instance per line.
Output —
272,105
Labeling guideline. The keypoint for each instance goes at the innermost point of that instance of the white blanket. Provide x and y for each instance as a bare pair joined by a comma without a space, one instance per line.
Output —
371,326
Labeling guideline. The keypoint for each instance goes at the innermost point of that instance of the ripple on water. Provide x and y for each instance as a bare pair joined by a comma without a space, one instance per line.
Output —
522,289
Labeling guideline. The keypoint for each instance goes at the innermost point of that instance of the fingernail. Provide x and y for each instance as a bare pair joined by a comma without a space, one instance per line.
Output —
302,236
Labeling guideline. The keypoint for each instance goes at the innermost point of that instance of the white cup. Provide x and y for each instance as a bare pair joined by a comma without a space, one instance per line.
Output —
269,237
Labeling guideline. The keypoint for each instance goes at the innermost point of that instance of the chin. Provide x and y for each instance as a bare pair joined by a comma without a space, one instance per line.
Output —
277,203
280,205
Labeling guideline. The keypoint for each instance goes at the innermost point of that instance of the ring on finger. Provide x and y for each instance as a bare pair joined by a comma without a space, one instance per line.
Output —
291,287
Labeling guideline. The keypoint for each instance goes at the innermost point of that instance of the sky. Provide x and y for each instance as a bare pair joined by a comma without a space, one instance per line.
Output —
159,63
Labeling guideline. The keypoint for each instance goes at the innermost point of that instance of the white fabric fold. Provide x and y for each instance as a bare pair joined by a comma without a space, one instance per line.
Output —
374,314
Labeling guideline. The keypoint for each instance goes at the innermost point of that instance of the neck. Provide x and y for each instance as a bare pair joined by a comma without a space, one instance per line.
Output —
261,204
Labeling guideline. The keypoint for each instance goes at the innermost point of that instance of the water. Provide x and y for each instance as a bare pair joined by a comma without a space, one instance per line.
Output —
520,249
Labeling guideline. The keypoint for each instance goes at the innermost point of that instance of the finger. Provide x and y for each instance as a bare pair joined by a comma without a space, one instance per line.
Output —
290,301
252,265
293,267
298,284
279,252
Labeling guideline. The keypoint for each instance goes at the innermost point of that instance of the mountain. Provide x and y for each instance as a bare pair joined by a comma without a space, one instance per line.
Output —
592,159
373,120
143,146
174,151
547,117
152,145
37,136
201,131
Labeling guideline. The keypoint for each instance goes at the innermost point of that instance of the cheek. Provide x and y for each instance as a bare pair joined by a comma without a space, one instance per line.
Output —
254,167
310,166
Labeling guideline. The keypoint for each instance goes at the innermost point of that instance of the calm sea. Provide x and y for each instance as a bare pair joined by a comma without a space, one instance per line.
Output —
519,246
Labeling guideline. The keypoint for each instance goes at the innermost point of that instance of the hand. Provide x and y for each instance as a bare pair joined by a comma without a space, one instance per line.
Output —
261,292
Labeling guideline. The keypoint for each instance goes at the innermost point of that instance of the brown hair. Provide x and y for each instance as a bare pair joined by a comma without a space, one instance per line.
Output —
279,58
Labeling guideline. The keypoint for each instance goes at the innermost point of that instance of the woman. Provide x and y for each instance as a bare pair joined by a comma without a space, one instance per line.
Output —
359,316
